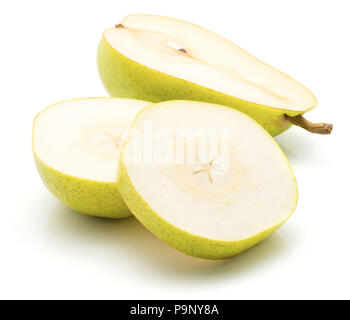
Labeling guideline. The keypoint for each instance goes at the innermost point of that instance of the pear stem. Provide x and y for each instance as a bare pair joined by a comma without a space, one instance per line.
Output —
320,128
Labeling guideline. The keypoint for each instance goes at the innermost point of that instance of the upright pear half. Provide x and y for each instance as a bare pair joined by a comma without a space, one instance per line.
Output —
205,178
158,58
76,147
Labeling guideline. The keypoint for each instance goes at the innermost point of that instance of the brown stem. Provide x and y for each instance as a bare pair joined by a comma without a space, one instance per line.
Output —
320,128
119,26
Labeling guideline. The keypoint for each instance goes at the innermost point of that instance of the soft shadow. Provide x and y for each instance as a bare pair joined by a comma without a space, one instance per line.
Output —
139,247
303,148
297,147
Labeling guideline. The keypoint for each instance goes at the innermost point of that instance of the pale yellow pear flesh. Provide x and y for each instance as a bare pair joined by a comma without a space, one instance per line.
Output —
76,146
221,202
158,58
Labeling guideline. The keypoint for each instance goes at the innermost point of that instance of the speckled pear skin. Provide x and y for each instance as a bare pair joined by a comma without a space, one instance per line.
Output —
183,241
125,78
95,198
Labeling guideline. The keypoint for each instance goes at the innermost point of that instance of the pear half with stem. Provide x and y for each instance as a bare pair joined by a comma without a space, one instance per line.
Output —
157,58
76,146
205,178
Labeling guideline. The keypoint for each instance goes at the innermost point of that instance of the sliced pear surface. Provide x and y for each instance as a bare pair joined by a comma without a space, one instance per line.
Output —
159,58
205,178
76,145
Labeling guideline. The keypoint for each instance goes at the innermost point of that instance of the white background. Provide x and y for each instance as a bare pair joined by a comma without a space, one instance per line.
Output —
48,53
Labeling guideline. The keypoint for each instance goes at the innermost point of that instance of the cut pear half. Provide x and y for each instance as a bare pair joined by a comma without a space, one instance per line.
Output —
205,178
160,58
76,146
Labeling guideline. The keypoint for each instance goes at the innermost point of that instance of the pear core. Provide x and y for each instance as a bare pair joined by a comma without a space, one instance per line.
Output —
255,191
82,137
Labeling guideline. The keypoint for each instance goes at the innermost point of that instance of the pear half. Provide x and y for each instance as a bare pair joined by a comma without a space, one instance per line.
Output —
158,58
205,178
76,146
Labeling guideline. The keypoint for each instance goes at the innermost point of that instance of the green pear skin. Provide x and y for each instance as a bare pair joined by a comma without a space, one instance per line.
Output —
95,198
183,241
125,78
